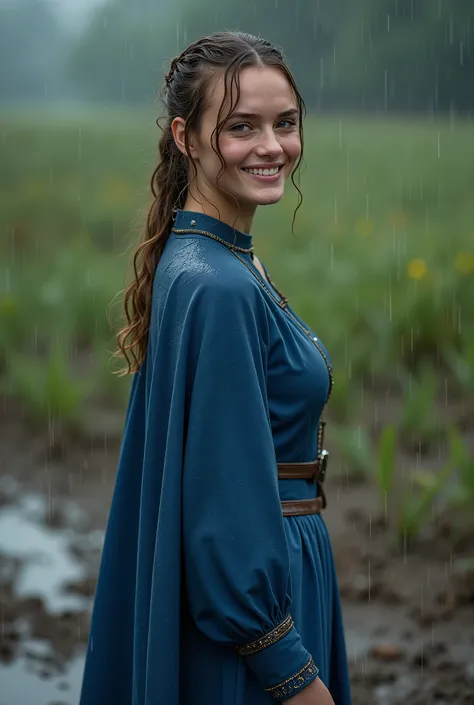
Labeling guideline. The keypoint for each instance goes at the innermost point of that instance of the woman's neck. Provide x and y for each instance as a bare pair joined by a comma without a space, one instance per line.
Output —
221,211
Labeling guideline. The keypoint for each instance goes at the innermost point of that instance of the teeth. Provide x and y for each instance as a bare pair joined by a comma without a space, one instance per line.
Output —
263,172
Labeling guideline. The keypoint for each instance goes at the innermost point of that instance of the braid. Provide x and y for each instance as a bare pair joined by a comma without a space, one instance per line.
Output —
172,69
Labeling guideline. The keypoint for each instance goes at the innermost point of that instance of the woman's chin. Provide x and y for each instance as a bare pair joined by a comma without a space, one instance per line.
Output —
269,198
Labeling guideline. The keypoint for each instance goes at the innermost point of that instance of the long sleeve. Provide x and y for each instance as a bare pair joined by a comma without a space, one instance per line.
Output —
235,551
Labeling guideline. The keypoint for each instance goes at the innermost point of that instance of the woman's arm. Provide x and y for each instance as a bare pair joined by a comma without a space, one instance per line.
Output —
235,551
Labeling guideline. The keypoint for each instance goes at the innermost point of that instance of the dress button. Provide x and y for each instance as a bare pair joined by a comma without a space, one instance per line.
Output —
193,222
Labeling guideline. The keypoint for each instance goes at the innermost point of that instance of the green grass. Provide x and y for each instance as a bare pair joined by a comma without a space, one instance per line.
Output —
381,262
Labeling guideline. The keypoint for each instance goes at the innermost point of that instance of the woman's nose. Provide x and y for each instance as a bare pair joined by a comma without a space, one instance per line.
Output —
269,145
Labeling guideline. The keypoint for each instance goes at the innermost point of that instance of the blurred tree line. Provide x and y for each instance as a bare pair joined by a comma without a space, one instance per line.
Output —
384,55
32,51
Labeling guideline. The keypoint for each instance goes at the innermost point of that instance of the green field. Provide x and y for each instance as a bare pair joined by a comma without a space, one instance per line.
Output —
381,263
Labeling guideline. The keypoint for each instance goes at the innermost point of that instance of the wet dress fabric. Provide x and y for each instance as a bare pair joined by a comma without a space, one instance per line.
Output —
198,561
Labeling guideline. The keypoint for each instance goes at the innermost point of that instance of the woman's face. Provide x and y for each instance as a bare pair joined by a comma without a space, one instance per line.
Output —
260,143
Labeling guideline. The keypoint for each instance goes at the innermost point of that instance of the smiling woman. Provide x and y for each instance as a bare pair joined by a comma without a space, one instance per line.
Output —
259,144
217,583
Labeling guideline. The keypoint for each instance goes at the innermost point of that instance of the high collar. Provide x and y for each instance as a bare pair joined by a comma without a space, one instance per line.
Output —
189,220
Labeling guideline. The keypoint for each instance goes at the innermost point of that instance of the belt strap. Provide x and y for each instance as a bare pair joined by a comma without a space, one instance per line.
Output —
314,470
299,471
297,507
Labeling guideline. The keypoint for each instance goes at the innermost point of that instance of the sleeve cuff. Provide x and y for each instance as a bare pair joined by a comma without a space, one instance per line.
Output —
279,661
294,685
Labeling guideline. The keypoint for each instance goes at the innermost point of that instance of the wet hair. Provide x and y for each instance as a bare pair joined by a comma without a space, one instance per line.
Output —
184,94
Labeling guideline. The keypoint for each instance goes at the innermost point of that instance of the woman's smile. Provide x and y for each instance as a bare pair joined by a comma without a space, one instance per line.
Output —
266,173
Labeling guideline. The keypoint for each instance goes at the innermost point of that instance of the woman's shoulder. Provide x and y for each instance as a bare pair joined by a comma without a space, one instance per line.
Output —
191,267
192,287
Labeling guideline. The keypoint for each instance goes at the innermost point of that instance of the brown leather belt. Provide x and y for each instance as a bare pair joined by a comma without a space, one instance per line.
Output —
316,471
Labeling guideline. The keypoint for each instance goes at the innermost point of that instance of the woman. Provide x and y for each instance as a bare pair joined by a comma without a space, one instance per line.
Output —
217,582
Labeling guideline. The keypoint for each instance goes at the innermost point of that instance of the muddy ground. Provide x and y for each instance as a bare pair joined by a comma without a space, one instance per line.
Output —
409,611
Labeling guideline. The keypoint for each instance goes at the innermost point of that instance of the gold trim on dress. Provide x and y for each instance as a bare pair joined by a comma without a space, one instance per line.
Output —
267,639
295,683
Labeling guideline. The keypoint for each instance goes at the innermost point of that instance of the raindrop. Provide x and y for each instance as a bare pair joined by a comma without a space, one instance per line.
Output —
79,144
369,579
348,173
390,303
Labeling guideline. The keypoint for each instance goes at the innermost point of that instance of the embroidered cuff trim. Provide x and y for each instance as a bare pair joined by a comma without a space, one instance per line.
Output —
267,639
297,682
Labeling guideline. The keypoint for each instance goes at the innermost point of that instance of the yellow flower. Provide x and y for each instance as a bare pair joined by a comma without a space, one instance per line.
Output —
364,227
416,268
464,262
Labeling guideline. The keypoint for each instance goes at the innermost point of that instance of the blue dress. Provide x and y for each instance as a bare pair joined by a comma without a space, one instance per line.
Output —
206,594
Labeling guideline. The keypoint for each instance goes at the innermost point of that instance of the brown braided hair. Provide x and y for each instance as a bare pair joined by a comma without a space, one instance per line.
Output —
184,95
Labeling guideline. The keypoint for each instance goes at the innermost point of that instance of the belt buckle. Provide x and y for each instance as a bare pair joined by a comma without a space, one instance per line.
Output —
323,464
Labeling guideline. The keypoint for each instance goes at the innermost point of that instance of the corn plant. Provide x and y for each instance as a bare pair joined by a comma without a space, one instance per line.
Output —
407,498
354,448
417,501
48,391
385,467
461,366
462,458
418,421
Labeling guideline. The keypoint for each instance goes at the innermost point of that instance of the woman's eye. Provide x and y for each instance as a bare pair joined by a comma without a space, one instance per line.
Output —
240,127
287,123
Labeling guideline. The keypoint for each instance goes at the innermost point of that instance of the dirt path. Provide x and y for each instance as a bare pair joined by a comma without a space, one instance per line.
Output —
409,616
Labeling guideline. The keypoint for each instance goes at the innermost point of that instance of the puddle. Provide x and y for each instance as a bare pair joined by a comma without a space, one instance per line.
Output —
37,562
46,563
28,682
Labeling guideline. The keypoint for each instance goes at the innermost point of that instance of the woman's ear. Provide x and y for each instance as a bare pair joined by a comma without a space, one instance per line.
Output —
178,127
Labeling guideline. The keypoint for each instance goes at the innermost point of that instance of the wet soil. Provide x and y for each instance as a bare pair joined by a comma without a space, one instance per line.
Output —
409,610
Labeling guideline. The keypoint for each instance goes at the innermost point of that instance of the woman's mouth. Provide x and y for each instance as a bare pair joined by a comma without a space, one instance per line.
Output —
264,173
